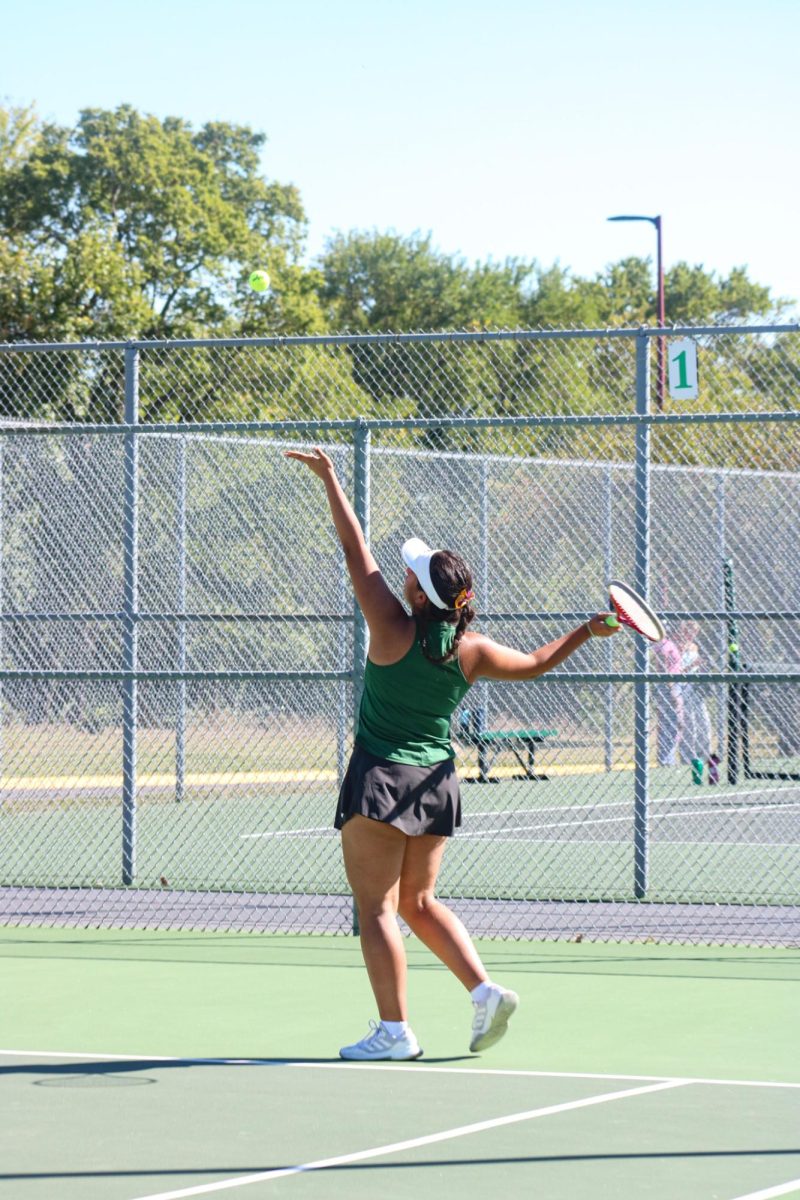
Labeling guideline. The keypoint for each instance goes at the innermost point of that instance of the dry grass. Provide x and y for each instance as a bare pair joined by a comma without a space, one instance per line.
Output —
218,743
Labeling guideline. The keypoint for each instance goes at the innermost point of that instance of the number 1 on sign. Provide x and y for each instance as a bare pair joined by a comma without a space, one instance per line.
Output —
683,382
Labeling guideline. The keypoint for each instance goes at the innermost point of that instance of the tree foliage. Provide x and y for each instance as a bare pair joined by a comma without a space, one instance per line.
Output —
127,226
379,282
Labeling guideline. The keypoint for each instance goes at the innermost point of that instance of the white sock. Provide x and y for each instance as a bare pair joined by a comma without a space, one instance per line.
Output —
481,993
395,1029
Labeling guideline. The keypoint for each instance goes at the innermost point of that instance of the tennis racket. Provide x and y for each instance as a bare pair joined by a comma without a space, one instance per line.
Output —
634,612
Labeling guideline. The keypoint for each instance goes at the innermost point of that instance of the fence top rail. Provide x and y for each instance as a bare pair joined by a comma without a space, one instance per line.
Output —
532,420
739,678
361,339
13,616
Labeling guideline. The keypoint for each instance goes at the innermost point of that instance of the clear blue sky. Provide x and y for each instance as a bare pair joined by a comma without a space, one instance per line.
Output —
502,128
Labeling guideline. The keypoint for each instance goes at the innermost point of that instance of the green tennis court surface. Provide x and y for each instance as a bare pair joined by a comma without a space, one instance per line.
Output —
171,1064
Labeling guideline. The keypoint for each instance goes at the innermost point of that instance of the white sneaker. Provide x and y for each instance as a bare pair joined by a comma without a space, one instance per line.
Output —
379,1045
490,1021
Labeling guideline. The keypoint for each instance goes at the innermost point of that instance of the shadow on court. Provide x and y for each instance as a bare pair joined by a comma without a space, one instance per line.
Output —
427,1164
115,1069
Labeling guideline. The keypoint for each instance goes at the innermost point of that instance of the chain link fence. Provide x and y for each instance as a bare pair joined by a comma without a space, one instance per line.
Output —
181,658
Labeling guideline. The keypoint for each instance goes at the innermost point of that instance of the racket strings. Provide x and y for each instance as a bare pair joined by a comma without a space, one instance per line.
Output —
624,616
639,620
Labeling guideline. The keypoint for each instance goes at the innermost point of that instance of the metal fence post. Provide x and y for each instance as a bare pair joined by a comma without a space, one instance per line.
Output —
722,540
2,598
180,727
608,567
361,505
641,781
343,725
130,523
734,707
481,718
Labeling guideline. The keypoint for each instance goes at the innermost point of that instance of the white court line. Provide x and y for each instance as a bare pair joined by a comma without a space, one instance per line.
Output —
411,1143
418,1067
467,832
782,1189
555,808
543,1074
626,818
69,1054
276,833
709,795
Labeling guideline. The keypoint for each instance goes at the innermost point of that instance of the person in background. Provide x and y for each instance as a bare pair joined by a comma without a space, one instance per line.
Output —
695,741
669,703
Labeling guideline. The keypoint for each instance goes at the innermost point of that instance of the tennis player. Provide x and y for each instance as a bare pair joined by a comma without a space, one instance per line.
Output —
399,801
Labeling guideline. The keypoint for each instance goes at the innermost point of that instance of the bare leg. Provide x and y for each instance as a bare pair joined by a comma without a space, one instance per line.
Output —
373,859
432,922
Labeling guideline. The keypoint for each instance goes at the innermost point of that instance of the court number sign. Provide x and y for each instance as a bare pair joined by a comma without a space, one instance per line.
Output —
682,360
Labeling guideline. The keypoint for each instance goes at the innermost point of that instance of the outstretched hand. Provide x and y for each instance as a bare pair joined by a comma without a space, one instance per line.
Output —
317,461
598,625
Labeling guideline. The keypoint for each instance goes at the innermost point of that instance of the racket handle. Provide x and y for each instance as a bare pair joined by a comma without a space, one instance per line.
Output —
611,622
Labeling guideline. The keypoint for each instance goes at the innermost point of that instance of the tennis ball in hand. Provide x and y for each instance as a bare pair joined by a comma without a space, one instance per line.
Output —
259,281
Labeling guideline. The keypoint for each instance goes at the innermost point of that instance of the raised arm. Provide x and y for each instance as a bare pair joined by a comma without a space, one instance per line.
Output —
382,610
481,658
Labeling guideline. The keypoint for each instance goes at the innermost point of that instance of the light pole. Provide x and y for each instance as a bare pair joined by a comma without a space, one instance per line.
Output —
661,315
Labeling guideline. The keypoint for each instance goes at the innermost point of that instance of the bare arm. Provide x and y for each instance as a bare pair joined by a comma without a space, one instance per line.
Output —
481,658
382,610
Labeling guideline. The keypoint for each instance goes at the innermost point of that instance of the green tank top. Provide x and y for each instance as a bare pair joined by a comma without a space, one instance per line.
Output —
406,707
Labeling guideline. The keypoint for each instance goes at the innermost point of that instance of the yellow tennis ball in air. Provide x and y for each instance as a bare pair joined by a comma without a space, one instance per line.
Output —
259,281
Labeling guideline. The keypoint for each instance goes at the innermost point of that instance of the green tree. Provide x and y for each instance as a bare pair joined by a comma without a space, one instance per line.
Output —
127,225
625,294
383,282
558,300
695,296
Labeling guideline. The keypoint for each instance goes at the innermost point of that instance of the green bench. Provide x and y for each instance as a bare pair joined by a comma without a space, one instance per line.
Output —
521,743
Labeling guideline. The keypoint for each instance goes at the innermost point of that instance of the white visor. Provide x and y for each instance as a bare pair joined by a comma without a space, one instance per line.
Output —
417,556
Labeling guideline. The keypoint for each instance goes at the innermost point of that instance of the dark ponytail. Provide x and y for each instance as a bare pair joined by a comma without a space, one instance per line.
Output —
452,579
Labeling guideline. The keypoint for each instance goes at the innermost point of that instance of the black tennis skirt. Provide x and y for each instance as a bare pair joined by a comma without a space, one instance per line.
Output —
414,799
